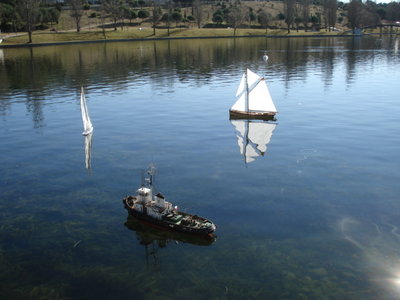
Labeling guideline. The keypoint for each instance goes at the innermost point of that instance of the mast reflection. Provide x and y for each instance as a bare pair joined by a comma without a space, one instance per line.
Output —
88,150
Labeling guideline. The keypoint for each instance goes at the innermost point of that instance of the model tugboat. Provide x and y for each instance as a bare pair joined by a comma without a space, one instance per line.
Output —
154,209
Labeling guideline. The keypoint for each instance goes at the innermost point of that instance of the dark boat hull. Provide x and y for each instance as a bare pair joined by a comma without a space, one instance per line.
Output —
235,114
162,224
153,232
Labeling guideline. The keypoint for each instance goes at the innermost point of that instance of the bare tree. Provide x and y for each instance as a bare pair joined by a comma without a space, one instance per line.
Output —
115,8
166,17
155,16
305,12
289,11
236,16
28,10
325,13
264,18
331,13
198,12
76,12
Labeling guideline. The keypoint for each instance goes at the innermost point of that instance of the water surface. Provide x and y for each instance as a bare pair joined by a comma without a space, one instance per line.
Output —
315,217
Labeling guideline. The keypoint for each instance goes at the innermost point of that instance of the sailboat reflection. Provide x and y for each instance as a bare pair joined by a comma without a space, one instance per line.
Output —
88,150
253,137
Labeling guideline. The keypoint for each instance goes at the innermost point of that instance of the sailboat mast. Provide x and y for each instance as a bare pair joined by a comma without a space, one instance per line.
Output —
247,92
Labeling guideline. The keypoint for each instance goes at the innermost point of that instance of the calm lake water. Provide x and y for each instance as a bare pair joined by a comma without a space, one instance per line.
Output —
315,217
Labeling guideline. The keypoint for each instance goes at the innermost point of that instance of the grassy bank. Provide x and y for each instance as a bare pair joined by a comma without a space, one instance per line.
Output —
42,37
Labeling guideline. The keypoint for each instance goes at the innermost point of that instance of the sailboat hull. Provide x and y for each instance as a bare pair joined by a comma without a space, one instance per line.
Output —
235,114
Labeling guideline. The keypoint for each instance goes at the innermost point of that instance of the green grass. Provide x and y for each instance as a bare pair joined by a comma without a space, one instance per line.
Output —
40,37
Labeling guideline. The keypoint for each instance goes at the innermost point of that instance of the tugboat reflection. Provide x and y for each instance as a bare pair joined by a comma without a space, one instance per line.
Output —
154,238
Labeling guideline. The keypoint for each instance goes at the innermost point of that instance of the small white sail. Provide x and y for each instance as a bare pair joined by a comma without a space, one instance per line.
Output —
255,92
87,124
253,137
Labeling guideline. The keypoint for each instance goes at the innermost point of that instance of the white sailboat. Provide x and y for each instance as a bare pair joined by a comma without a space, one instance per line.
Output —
87,124
253,100
253,137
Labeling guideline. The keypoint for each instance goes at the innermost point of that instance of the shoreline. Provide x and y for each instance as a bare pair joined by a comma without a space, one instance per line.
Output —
272,36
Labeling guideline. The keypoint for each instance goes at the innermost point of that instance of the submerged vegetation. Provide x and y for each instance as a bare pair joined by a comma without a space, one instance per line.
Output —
77,20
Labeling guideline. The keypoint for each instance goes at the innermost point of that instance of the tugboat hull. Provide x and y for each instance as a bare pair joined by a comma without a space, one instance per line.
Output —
154,232
170,225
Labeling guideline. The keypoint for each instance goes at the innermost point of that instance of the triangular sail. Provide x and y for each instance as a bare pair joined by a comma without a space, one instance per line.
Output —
253,137
259,98
87,124
240,103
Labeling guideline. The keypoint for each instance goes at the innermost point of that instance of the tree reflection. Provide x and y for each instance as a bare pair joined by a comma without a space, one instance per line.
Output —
40,71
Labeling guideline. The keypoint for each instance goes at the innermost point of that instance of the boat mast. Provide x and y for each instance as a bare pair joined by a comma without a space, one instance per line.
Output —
247,92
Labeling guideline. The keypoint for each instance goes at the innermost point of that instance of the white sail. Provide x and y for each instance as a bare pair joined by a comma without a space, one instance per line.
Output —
87,124
253,137
240,103
257,93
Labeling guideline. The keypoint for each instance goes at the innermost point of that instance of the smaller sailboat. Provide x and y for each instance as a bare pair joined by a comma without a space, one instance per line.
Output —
87,124
253,100
265,56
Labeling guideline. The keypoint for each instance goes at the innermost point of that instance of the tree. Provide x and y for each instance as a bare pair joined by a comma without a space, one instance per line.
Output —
218,19
331,13
76,12
54,15
314,21
143,14
48,15
155,17
252,16
8,14
28,10
218,16
129,14
289,9
354,10
177,17
297,21
198,12
236,16
264,18
44,16
305,12
393,11
115,8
